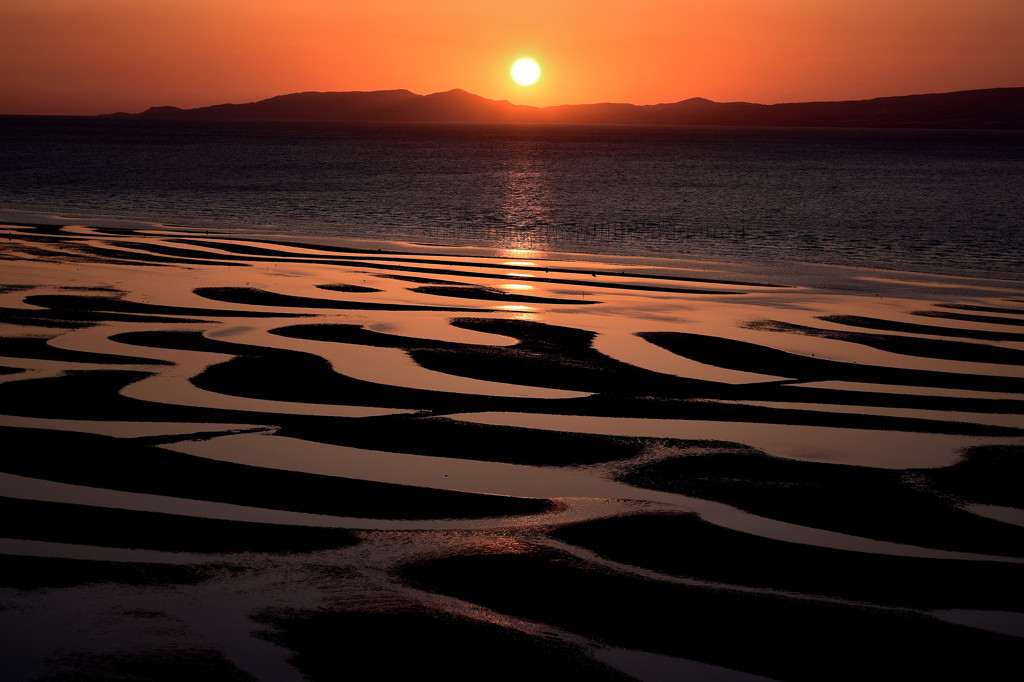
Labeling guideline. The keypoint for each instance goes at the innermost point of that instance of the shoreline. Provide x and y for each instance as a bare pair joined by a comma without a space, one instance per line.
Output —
809,272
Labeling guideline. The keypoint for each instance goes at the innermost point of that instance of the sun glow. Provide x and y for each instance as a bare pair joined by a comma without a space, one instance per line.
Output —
525,71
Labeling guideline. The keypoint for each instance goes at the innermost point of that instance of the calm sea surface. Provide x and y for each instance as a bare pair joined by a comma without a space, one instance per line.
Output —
935,201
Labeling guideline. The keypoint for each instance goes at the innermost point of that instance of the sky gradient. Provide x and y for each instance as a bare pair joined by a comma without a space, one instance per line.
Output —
100,56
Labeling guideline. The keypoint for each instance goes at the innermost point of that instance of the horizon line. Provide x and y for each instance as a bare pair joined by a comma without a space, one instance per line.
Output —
527,106
585,104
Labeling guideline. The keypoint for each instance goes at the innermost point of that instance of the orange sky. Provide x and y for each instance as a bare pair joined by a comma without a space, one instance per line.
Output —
96,56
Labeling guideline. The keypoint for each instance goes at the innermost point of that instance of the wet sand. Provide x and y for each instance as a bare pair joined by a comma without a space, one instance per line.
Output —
246,458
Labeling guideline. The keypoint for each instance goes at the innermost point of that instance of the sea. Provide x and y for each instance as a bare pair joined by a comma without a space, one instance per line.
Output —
948,202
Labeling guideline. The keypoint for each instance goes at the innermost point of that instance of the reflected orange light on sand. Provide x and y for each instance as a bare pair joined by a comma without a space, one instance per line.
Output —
518,287
523,263
519,274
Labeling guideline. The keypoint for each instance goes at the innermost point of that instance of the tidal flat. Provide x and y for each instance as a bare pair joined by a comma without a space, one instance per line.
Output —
233,457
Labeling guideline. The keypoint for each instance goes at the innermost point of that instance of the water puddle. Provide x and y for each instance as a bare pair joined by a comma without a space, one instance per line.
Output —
1014,421
908,390
862,447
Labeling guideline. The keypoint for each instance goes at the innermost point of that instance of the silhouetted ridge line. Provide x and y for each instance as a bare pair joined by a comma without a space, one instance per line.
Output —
996,108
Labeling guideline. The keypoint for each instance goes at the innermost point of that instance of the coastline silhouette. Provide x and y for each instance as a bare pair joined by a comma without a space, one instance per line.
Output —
994,108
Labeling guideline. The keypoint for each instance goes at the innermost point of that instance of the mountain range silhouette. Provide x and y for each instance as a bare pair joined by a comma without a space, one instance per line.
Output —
995,108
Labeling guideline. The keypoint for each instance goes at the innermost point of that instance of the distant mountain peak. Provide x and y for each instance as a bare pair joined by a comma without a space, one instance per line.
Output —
162,110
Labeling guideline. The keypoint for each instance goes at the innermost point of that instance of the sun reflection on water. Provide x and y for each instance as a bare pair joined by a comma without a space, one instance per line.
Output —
525,206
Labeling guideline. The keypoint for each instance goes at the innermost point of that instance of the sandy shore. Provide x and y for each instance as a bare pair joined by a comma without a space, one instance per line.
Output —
247,458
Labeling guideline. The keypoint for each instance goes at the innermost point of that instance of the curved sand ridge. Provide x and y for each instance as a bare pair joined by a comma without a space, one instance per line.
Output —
504,441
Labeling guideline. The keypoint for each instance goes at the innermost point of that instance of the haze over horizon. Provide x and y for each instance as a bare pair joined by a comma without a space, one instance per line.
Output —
68,57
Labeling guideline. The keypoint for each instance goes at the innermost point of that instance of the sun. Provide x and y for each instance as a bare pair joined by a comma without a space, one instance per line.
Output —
525,71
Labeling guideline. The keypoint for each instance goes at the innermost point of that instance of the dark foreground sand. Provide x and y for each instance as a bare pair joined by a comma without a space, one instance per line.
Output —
230,458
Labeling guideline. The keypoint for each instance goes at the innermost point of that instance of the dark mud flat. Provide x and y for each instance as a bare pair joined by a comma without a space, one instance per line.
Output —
82,524
778,636
909,506
138,466
463,649
697,550
259,460
29,573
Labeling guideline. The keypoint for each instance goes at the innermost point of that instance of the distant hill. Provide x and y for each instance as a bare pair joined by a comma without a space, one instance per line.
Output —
996,108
